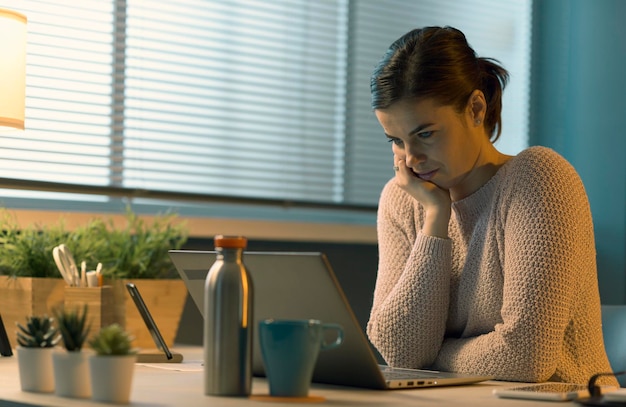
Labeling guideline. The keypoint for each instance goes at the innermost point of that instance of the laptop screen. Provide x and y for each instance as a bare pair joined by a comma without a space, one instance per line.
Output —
295,285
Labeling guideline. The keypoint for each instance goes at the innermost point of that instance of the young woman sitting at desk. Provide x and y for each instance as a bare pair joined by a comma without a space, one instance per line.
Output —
486,261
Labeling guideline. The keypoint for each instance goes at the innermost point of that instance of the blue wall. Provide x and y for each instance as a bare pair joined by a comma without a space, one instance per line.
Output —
578,108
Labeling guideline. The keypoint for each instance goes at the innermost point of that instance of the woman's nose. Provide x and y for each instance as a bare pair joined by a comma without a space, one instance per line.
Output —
413,157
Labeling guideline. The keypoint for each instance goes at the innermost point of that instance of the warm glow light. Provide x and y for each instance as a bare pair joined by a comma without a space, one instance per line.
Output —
245,291
12,69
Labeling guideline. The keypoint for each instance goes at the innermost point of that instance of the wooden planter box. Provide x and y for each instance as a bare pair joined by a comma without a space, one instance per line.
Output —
22,297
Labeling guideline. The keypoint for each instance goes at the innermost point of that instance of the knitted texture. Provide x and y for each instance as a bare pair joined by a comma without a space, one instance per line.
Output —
512,293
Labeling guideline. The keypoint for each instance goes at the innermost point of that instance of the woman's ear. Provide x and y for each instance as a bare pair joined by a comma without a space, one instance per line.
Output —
477,107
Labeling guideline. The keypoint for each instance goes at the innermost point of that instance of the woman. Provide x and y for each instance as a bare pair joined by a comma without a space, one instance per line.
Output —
486,261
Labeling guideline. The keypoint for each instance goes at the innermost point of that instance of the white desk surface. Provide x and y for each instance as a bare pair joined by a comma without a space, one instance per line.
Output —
158,387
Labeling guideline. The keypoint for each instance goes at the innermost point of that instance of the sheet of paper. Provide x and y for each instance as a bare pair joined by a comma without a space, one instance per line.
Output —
184,366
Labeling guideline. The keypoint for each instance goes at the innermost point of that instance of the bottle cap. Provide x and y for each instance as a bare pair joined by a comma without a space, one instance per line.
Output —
231,242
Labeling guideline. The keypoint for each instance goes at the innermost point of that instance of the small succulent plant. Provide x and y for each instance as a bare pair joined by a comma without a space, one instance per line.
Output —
73,327
39,332
112,340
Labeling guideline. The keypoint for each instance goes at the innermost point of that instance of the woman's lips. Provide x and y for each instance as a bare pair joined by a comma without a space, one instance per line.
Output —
427,176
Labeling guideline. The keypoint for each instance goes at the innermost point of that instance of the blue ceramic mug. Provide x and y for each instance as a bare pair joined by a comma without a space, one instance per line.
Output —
290,348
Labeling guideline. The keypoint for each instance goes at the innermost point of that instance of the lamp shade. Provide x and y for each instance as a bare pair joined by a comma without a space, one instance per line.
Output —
12,69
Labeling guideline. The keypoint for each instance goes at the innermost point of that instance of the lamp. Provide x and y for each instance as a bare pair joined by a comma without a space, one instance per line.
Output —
12,69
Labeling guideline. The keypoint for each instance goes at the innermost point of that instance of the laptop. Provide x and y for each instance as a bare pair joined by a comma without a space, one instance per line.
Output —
302,285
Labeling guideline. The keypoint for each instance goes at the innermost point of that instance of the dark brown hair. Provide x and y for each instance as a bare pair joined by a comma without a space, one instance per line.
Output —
438,63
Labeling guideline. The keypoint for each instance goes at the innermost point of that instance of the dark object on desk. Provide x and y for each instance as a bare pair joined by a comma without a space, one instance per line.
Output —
597,399
600,402
5,345
162,354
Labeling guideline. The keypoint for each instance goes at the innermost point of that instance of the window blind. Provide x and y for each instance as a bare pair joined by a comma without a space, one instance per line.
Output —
240,98
229,98
68,94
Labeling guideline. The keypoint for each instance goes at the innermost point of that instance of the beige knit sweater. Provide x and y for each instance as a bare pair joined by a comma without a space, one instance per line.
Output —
512,293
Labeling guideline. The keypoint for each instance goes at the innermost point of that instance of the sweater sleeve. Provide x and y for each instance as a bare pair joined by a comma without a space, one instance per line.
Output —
548,256
408,317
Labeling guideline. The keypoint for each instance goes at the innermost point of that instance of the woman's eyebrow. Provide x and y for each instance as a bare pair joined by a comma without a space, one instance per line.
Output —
415,130
420,128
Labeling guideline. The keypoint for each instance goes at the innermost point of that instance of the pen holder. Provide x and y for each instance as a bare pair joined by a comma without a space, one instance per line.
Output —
100,305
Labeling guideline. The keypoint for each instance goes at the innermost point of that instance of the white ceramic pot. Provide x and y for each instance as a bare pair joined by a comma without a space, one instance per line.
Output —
111,377
71,374
35,367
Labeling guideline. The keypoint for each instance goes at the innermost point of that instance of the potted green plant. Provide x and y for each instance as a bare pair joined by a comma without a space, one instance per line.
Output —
29,278
137,251
136,248
36,340
27,251
111,368
71,369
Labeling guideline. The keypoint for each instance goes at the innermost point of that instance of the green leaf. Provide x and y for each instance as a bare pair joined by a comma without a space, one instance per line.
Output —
112,340
38,333
73,327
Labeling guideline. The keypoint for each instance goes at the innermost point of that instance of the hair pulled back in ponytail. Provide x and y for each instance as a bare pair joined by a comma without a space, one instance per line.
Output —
438,63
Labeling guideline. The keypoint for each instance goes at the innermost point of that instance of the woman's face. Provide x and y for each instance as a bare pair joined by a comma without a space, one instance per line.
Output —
437,143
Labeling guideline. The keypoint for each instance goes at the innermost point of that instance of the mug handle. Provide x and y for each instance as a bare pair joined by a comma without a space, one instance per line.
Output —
332,327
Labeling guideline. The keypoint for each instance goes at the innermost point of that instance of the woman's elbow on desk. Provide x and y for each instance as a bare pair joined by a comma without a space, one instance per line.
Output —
491,355
398,350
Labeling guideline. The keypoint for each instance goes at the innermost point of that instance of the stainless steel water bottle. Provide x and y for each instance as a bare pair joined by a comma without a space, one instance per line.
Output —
228,321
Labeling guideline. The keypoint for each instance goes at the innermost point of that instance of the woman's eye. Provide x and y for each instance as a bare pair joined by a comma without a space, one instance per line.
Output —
395,141
425,134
